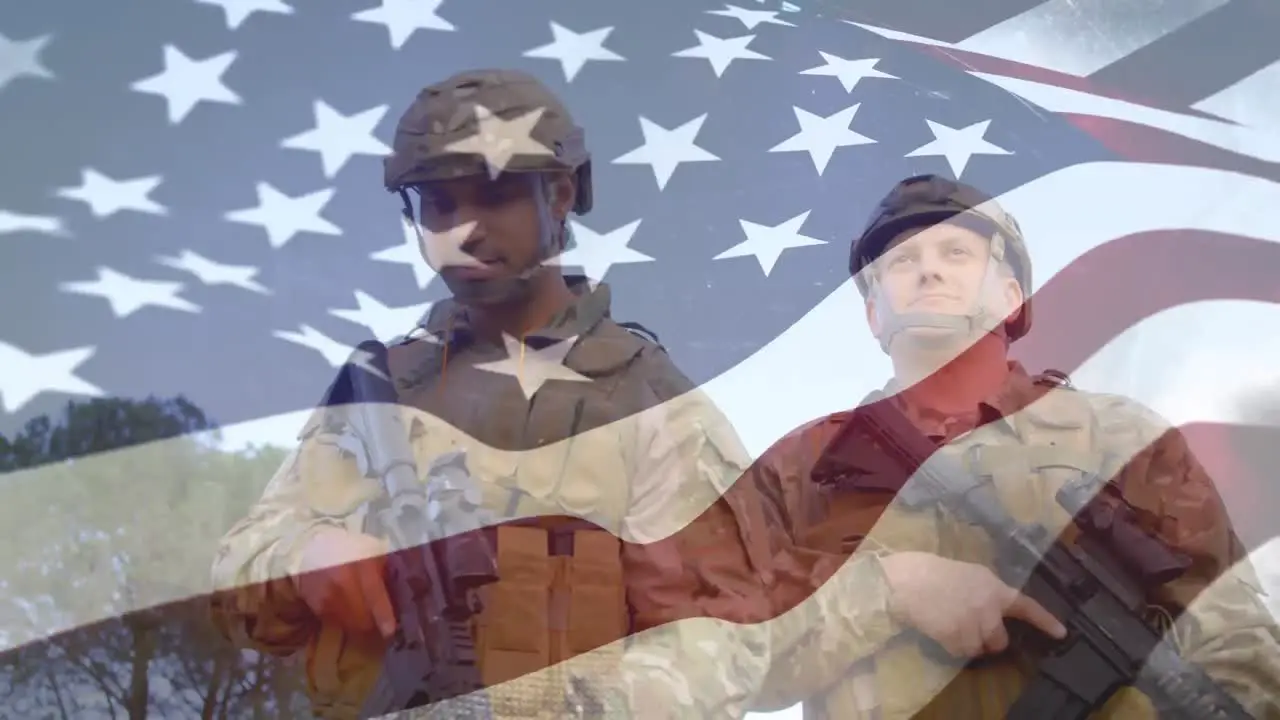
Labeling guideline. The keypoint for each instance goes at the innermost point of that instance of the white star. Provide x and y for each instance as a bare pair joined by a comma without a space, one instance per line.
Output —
21,58
721,51
12,222
408,252
573,50
595,253
533,368
665,149
957,146
848,72
237,11
26,376
338,137
185,82
444,249
384,322
335,353
128,295
767,243
106,196
211,272
751,18
283,216
403,18
821,136
500,140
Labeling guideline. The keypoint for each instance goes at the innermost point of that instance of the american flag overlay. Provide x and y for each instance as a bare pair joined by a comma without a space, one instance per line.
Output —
192,208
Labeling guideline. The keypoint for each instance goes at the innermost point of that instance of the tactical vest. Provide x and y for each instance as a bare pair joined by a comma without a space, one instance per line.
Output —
1028,456
560,591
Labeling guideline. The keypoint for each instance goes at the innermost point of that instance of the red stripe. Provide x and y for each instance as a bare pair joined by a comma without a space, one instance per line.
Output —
1141,143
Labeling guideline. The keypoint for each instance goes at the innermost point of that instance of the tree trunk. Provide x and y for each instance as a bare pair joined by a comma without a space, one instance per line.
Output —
57,694
214,690
144,648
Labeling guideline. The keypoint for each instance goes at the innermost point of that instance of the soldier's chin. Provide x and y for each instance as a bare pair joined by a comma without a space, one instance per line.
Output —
932,338
479,293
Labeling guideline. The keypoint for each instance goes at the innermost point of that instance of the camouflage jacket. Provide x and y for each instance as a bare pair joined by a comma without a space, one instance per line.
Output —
1222,623
637,430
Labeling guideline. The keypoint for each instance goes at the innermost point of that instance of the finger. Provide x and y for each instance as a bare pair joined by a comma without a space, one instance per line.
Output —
965,640
374,587
954,645
1026,609
312,592
324,592
995,635
973,641
355,613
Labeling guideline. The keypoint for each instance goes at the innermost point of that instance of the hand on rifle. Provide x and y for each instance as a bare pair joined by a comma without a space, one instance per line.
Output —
960,605
343,581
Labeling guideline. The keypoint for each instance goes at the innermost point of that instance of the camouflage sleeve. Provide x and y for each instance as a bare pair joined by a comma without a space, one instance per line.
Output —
832,610
1222,623
695,567
255,603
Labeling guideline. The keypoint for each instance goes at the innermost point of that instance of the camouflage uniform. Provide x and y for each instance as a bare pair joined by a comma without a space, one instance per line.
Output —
627,445
633,450
1034,438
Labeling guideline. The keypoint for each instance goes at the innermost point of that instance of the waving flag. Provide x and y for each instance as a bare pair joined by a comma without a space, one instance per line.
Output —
193,202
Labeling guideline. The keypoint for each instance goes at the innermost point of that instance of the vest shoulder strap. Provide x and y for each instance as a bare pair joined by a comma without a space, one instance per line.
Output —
643,333
1054,378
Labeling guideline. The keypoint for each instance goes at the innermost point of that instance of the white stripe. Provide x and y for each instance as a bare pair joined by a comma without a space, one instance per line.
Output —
1251,142
1076,37
1253,101
1080,37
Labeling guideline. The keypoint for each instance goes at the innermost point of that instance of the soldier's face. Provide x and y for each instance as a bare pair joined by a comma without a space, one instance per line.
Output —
939,269
481,229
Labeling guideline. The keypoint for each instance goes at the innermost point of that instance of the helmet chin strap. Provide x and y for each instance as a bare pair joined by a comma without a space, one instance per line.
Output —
967,326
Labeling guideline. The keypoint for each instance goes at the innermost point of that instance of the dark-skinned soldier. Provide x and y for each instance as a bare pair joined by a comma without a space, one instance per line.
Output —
580,431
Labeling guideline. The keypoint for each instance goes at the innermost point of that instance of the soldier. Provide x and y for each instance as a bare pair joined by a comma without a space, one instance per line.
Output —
946,279
578,429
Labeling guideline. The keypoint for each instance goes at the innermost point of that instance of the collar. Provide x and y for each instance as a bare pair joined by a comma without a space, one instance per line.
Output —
448,319
1018,393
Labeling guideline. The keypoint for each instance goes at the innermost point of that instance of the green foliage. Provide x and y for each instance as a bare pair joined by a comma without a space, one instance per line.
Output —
113,513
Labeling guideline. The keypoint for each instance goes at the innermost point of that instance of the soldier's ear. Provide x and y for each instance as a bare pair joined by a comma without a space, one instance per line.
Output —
1012,292
563,194
873,319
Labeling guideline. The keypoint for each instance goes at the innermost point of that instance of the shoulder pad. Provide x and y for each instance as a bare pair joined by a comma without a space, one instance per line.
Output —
643,333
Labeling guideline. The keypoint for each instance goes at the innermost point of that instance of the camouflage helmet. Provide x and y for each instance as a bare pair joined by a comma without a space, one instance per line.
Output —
925,200
458,126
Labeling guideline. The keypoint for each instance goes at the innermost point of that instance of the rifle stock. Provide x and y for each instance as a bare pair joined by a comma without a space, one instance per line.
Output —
1096,587
439,555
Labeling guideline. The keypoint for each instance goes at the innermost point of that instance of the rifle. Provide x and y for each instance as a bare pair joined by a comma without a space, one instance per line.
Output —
439,555
1095,587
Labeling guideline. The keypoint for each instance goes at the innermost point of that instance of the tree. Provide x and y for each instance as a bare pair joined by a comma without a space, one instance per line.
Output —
113,514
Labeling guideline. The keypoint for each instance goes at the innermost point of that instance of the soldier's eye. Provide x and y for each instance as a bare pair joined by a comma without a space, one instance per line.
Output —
436,205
